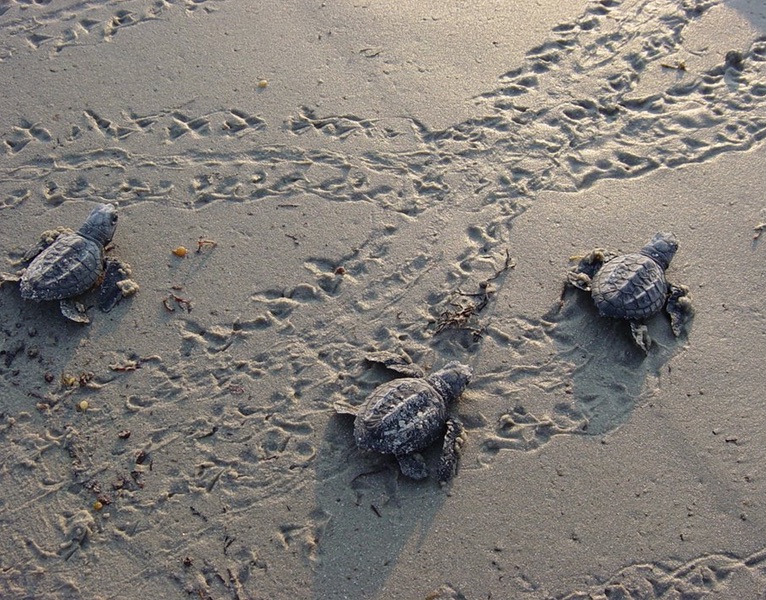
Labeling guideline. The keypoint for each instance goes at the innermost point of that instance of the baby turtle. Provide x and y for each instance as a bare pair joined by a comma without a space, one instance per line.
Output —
633,286
66,264
406,415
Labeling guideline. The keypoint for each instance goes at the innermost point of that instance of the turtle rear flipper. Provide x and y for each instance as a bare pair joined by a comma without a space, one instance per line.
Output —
46,239
581,275
400,363
413,465
641,335
9,278
679,307
344,408
453,442
74,311
579,279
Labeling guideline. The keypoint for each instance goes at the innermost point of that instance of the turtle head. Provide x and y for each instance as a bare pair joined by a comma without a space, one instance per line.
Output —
451,380
101,224
661,249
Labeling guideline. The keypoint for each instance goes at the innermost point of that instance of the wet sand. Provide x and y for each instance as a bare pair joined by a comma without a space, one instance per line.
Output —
351,179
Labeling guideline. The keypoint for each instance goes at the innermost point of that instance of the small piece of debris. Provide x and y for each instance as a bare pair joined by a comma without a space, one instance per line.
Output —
68,380
181,302
205,243
130,365
445,592
459,317
679,66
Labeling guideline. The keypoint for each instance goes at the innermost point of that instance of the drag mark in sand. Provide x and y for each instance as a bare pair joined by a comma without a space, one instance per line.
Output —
697,578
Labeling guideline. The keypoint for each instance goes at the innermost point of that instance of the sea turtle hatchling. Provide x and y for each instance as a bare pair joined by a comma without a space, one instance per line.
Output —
406,415
66,264
633,286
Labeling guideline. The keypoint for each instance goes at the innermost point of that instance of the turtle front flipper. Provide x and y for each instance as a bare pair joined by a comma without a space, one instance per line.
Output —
74,311
117,284
679,307
453,442
641,335
413,465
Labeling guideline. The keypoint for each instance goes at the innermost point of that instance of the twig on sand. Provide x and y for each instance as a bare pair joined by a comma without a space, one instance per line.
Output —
679,66
205,243
458,318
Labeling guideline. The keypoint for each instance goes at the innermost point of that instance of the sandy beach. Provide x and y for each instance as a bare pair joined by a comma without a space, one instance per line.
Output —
357,178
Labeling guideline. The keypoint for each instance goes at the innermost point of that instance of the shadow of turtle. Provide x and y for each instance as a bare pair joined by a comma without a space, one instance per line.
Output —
747,11
373,514
38,343
610,372
49,340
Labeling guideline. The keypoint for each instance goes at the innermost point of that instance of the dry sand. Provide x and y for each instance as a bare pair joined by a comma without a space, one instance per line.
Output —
395,157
